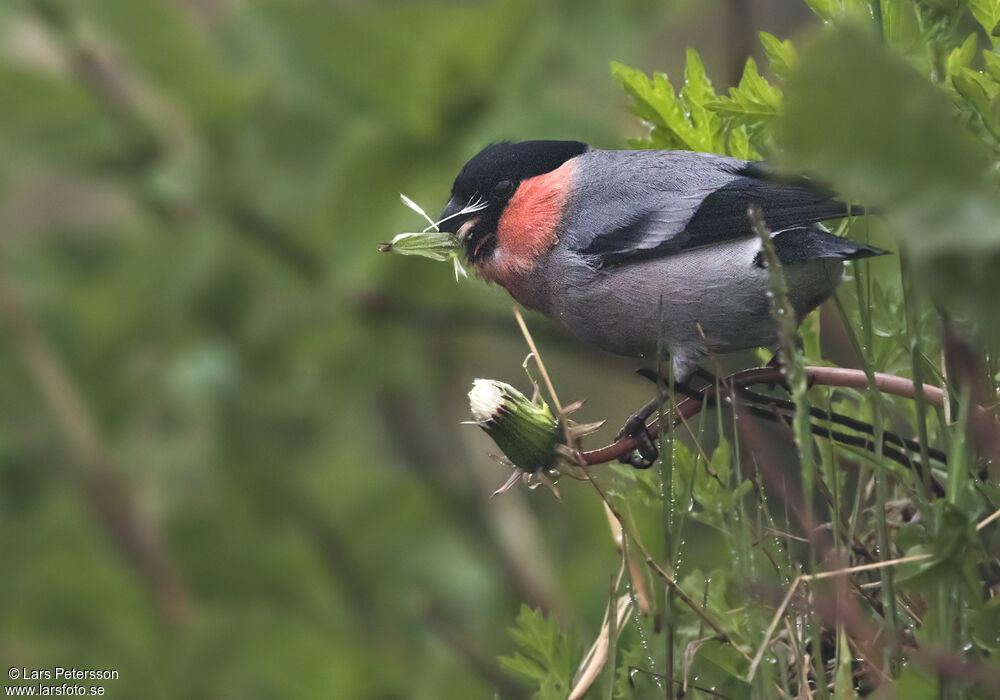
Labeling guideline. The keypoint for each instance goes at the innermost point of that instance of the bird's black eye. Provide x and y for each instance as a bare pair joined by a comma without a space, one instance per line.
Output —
504,188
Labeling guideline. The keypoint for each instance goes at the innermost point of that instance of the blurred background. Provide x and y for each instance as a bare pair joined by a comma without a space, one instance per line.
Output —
231,458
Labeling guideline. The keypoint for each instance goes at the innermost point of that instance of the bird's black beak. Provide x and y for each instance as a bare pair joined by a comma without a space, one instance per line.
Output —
449,221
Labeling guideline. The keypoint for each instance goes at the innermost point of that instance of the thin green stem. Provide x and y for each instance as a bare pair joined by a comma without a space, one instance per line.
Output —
666,464
798,386
913,338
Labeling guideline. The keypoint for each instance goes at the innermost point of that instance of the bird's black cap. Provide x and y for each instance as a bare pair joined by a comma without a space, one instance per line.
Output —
511,162
492,176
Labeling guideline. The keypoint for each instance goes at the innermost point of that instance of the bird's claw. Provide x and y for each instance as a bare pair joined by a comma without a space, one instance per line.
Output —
645,452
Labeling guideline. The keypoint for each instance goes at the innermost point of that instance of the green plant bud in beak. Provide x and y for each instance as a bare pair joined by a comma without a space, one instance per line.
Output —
524,430
432,242
436,245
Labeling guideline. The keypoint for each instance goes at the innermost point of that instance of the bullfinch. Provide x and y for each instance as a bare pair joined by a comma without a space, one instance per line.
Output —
621,247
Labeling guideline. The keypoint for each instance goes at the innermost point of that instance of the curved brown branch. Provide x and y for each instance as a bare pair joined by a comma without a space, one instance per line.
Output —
817,376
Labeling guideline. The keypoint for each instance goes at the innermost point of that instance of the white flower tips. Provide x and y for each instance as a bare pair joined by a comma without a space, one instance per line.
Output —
526,431
485,399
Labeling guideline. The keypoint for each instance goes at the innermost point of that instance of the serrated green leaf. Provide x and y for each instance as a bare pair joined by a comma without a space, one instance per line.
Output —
544,654
639,87
738,144
654,101
678,120
753,102
698,91
781,54
697,87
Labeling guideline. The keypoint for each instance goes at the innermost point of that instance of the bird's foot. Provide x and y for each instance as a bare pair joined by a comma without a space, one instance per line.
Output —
645,452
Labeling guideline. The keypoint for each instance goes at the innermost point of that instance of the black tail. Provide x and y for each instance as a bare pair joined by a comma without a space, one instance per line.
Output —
804,243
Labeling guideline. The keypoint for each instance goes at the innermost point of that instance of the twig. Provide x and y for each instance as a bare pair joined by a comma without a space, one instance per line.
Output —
988,520
570,441
817,376
538,360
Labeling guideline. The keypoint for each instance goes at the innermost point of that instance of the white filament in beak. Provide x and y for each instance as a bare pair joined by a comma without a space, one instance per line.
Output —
470,208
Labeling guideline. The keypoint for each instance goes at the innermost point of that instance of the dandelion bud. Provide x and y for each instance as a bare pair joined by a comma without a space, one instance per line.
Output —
436,245
525,430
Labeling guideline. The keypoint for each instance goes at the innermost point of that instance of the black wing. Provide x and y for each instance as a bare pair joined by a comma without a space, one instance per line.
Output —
665,229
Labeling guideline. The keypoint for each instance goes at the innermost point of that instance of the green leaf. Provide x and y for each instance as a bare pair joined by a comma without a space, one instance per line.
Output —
639,88
677,120
992,63
985,626
627,683
696,118
738,144
781,54
544,655
987,13
916,683
722,459
981,92
844,680
962,56
951,544
697,87
754,102
900,24
826,10
698,91
654,102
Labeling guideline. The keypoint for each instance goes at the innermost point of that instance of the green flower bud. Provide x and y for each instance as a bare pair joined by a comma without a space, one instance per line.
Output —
525,431
436,245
